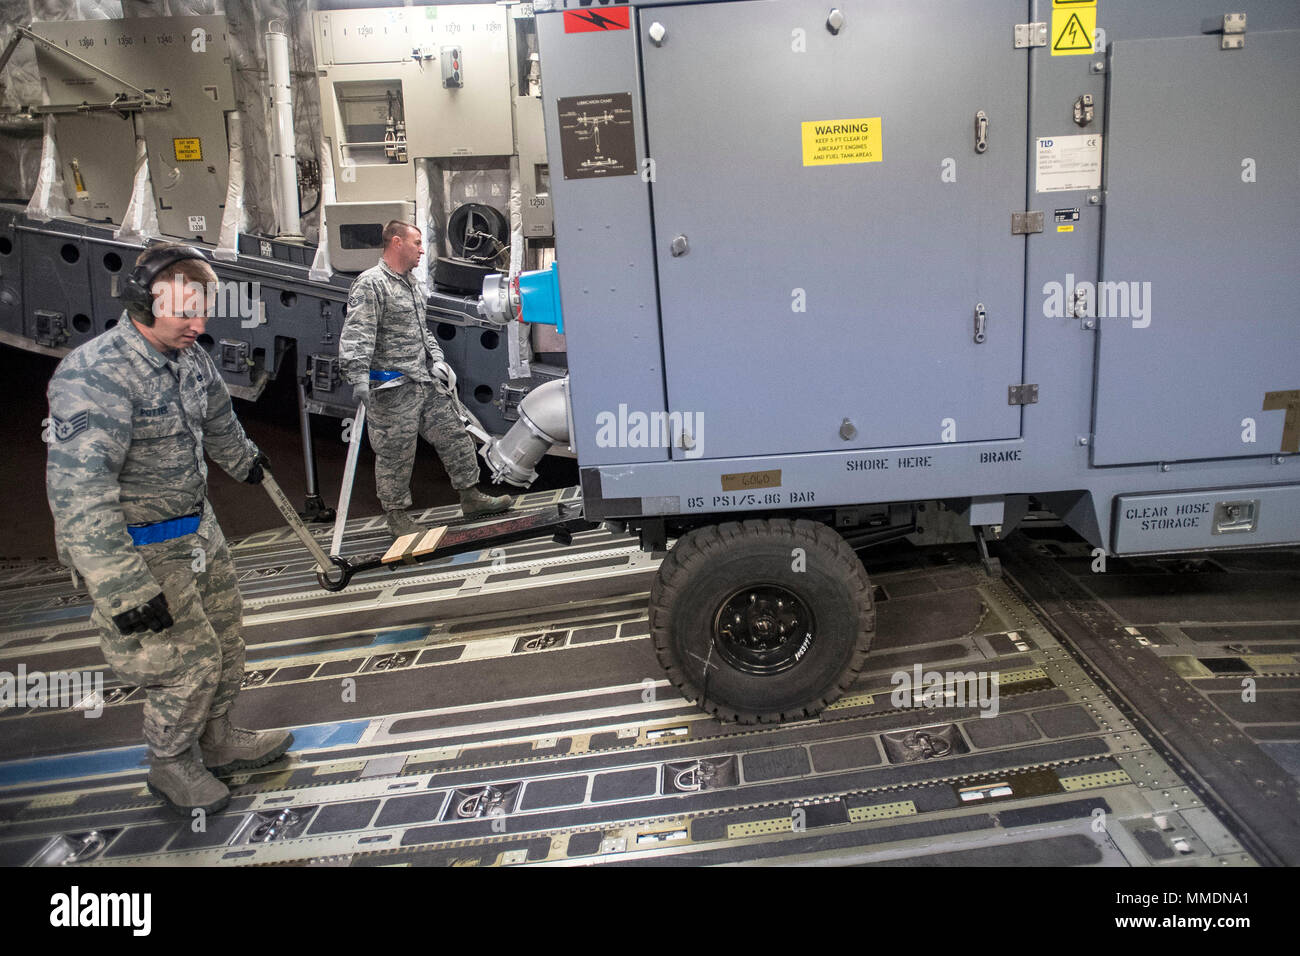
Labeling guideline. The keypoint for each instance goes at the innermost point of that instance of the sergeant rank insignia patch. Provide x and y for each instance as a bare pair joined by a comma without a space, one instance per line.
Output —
65,428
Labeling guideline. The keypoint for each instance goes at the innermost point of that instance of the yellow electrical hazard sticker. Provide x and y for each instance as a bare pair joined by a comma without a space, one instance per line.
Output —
187,149
835,142
1073,25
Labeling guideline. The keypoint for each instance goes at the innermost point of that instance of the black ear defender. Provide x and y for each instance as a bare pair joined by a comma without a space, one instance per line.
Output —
136,295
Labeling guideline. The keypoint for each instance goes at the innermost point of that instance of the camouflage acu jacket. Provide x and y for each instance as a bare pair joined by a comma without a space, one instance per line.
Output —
128,428
385,328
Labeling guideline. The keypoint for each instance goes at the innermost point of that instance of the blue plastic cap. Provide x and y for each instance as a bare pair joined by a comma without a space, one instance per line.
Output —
539,297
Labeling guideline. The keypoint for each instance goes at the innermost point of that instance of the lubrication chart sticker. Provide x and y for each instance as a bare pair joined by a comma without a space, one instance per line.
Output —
596,137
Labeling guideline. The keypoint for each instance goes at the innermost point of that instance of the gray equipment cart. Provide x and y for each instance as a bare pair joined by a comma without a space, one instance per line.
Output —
821,263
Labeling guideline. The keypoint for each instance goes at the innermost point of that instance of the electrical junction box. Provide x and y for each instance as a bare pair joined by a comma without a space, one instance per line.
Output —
377,64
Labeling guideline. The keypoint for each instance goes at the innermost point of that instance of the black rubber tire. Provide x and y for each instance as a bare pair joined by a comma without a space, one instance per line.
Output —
459,276
710,564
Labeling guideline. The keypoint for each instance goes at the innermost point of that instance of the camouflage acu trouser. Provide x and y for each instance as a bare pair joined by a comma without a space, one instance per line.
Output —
396,417
192,671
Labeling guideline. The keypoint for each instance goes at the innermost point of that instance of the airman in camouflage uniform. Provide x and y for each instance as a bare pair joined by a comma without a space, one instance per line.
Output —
385,339
131,414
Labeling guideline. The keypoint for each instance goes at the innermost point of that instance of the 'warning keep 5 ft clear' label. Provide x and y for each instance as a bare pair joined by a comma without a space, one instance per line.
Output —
834,142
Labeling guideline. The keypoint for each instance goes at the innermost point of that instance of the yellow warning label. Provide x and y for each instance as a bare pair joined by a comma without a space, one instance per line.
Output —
842,141
1065,229
1073,26
187,149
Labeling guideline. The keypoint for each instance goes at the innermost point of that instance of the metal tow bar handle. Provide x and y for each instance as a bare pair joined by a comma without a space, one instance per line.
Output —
325,563
346,570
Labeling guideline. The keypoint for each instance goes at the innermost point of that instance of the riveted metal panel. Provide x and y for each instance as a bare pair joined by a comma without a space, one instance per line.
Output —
187,58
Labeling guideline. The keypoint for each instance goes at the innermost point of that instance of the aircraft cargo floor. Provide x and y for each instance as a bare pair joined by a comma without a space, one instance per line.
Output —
506,708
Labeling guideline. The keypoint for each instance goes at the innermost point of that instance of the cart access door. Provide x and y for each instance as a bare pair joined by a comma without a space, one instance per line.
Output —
1202,195
838,227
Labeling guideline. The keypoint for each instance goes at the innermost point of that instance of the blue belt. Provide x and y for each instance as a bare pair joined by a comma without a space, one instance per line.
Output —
163,530
383,375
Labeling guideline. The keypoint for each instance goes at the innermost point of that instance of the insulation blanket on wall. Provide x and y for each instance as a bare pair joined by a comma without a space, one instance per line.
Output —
248,20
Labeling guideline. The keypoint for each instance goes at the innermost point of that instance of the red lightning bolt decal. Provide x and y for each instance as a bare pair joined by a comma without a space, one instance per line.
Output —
591,21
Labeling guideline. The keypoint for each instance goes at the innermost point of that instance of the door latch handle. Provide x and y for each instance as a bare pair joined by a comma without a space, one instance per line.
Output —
981,132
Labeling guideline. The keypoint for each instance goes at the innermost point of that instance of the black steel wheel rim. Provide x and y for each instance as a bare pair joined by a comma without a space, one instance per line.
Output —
763,629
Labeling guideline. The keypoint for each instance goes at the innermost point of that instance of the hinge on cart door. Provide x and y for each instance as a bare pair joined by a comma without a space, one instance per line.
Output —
1234,31
1024,223
1031,34
1022,394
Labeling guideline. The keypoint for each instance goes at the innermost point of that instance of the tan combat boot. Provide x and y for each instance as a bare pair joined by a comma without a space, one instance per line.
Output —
474,503
227,748
400,523
183,784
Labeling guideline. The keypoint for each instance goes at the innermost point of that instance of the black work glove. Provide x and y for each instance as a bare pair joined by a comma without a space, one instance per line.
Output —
153,616
255,473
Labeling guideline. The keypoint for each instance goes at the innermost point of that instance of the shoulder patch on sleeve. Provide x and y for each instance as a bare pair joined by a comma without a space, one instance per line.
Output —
70,427
356,296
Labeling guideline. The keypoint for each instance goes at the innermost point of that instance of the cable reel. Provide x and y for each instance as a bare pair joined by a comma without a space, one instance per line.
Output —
478,232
